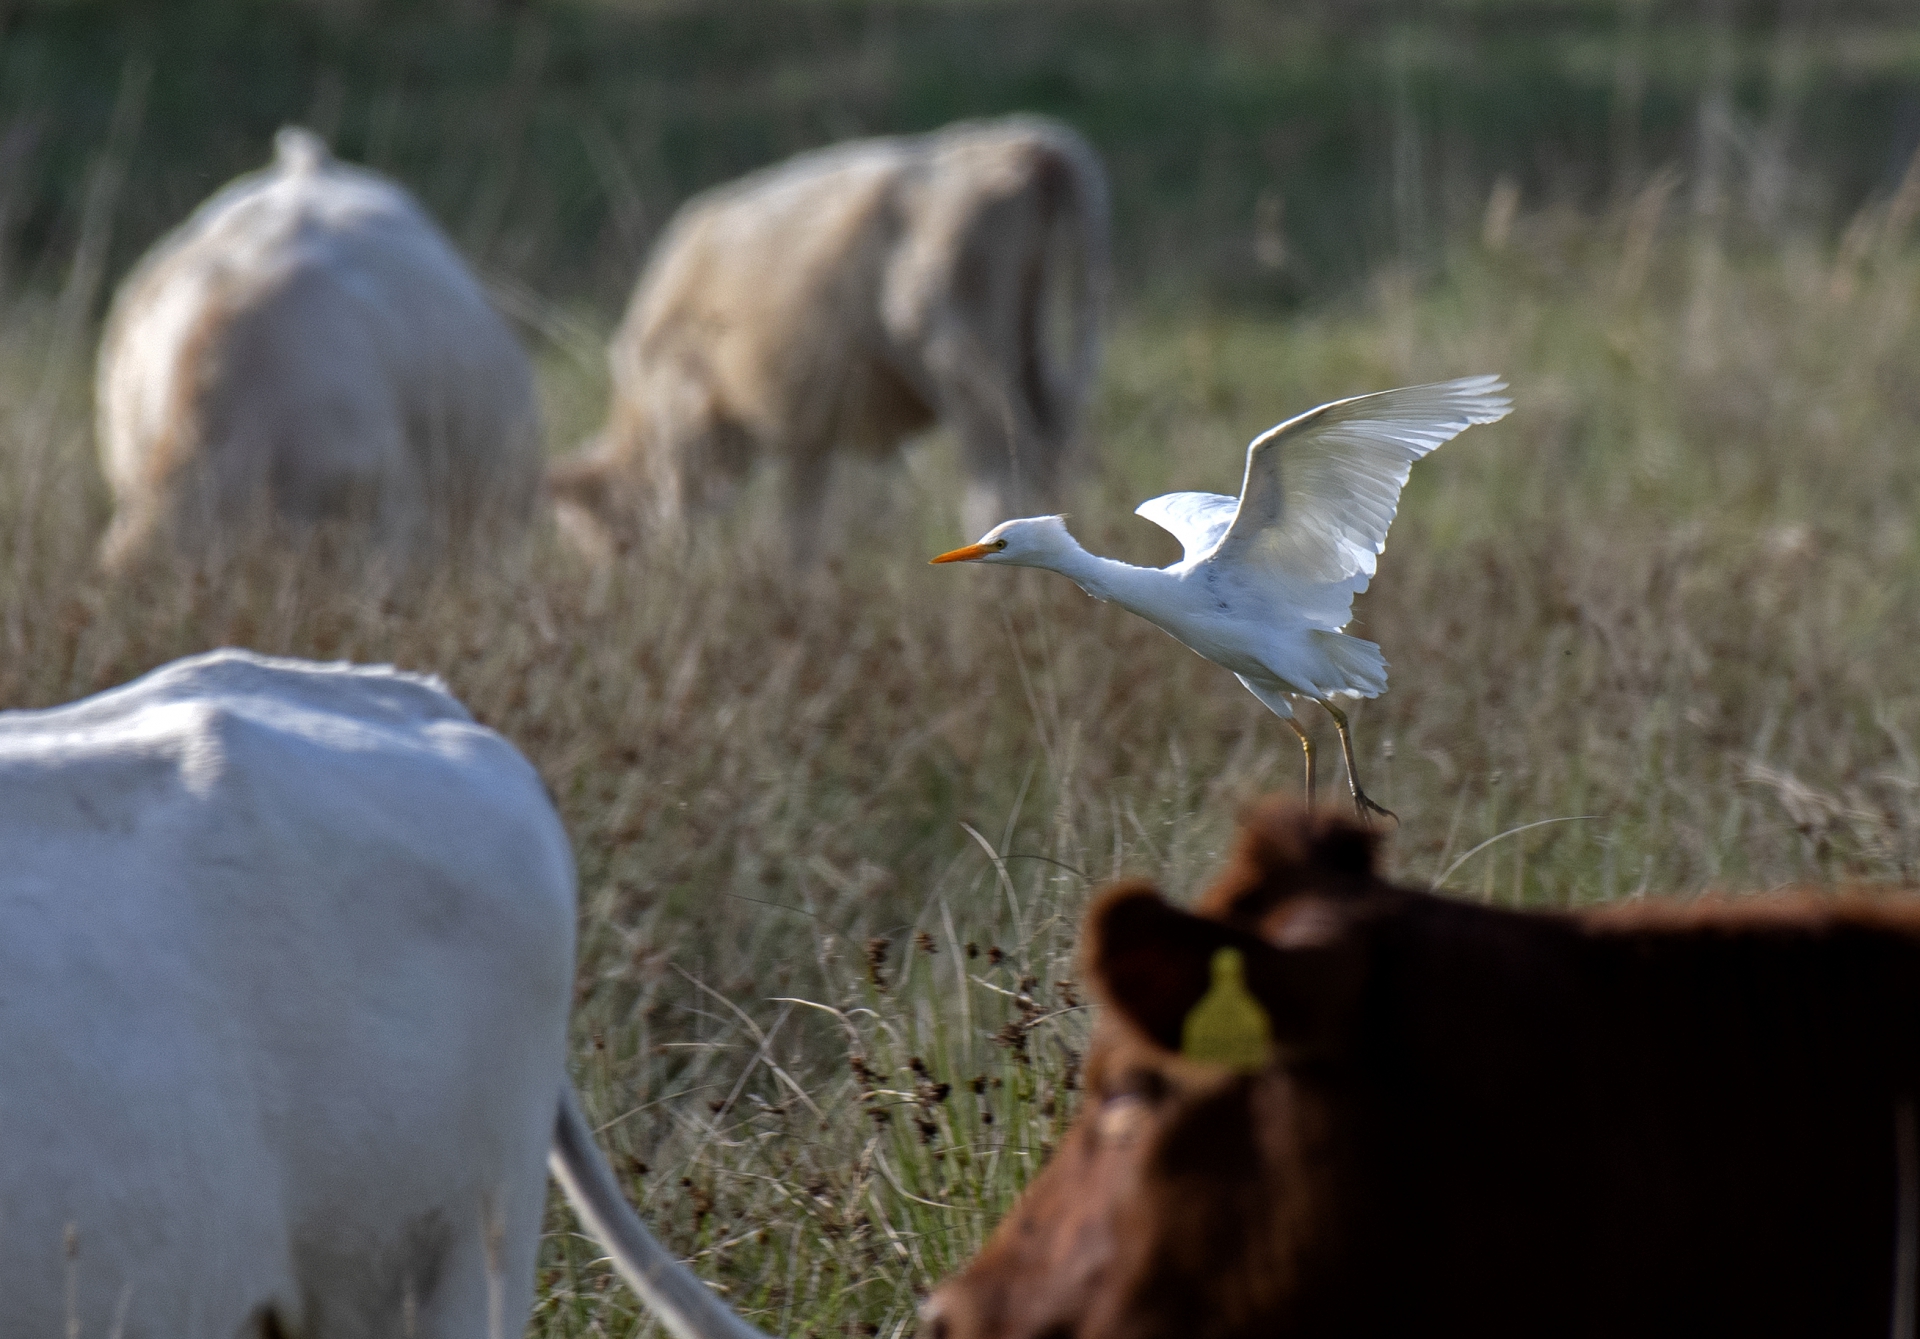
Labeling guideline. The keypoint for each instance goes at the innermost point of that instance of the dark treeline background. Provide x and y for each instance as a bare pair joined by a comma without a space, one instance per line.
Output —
1261,153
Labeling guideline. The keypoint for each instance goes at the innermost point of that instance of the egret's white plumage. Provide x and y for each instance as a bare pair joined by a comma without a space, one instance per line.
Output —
1266,580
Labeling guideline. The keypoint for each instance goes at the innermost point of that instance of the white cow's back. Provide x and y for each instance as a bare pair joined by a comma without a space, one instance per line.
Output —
285,961
309,342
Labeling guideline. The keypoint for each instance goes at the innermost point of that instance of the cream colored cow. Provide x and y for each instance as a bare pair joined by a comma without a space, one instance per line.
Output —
308,346
850,297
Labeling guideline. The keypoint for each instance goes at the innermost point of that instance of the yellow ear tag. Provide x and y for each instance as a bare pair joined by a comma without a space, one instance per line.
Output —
1228,1027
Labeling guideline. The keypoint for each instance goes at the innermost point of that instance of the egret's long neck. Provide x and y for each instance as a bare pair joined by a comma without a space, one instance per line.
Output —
1102,578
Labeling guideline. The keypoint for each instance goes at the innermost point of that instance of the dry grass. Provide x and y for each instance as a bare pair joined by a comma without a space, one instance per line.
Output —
1672,598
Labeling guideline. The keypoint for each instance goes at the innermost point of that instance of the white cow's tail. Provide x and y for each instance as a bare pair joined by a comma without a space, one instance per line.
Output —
684,1304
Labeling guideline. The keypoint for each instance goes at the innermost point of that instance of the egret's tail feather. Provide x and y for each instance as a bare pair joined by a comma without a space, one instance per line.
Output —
1356,667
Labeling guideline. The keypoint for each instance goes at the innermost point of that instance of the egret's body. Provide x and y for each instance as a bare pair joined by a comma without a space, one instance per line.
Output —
1267,579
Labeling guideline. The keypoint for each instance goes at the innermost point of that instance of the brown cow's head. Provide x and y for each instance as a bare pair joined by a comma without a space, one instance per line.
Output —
1189,1199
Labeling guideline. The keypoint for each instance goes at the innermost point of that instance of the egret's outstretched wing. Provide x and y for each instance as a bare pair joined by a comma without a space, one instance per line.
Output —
1197,520
1321,489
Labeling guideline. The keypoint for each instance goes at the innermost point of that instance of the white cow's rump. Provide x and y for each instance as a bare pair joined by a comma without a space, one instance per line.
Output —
847,298
286,952
308,346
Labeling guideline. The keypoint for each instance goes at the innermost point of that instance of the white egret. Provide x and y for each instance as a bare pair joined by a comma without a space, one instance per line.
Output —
1267,579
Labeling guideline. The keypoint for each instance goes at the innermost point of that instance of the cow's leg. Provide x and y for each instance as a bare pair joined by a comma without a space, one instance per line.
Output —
803,499
484,1284
1001,454
133,531
696,453
996,487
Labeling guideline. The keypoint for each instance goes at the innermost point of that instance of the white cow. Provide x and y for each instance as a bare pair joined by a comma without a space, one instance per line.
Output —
308,346
286,952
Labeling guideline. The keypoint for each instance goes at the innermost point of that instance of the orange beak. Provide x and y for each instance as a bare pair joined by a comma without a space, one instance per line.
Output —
966,554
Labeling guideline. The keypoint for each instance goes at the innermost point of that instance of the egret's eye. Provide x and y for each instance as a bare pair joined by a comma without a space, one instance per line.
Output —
999,544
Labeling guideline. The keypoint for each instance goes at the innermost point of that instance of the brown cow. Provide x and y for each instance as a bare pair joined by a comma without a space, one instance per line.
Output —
848,298
1654,1119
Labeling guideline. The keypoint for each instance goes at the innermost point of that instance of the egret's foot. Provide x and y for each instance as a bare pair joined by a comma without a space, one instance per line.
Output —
1363,806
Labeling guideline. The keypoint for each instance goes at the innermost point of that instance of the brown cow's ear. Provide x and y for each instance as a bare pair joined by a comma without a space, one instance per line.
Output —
1152,963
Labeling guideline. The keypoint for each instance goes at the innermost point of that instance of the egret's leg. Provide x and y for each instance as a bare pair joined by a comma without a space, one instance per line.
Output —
1277,701
1306,747
1361,804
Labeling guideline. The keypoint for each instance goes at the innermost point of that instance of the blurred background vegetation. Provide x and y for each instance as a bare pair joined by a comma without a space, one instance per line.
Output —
1261,153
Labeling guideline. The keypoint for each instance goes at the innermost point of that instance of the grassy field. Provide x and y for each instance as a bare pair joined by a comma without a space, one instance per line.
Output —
835,827
1650,635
